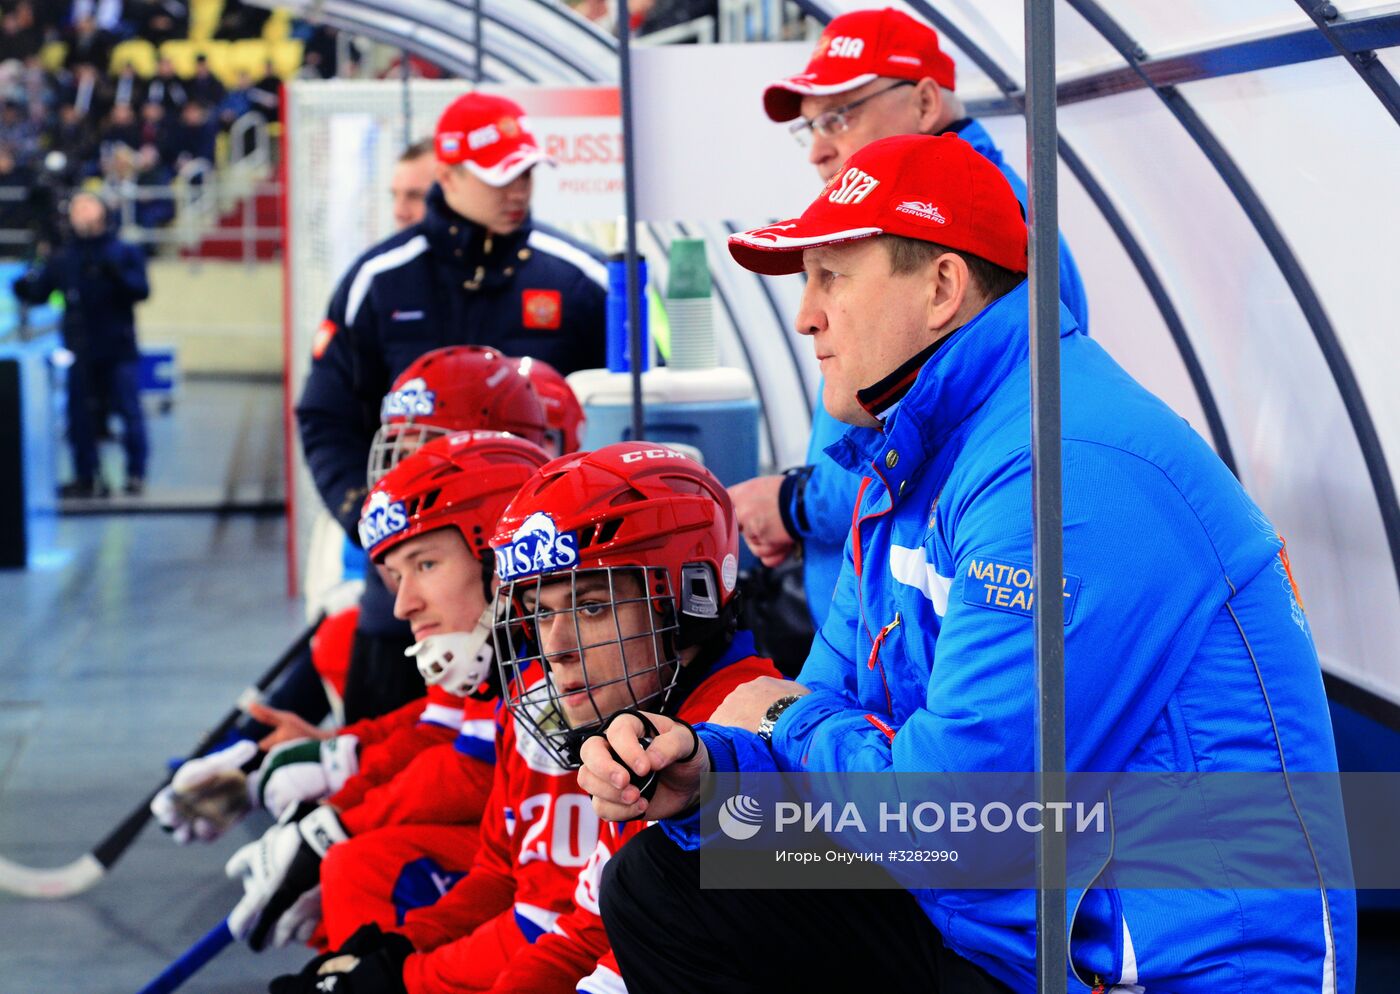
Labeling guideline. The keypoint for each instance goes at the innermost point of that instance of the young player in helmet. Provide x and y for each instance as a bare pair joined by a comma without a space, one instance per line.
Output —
457,388
617,571
426,524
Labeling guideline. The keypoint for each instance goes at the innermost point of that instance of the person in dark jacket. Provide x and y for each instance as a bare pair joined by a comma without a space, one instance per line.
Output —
101,279
477,270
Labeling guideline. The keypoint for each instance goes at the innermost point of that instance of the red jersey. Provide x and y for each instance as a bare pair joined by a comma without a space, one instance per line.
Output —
550,866
396,740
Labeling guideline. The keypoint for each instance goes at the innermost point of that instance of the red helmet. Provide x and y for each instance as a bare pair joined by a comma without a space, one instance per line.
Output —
458,388
561,407
463,481
635,508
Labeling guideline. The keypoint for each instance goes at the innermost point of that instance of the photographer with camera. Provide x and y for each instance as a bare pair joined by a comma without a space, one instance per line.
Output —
102,279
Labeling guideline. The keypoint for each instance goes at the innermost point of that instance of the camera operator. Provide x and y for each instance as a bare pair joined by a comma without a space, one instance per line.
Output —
101,279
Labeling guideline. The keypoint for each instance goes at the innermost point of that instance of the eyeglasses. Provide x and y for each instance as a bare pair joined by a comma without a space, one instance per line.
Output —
833,122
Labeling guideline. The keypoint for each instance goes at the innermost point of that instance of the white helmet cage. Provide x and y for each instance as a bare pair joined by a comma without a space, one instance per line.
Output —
395,441
539,707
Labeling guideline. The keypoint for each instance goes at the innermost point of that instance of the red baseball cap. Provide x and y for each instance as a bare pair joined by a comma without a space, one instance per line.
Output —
856,48
489,136
935,188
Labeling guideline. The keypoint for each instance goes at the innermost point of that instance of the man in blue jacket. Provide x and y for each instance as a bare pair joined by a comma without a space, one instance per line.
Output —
477,270
1186,645
102,279
873,74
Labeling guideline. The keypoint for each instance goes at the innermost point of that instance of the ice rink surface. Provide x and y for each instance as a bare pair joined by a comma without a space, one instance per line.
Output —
116,657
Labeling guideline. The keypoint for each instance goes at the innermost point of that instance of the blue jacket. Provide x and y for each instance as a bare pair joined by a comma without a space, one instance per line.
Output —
822,516
101,279
1186,649
535,292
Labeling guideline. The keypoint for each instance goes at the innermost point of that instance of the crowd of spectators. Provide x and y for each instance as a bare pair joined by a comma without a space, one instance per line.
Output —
91,123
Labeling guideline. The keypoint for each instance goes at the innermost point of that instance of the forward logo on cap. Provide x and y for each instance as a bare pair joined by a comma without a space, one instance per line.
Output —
853,187
923,209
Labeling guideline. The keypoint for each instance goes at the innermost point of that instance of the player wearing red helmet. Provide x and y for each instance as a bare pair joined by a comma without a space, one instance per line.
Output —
562,412
617,578
426,524
457,388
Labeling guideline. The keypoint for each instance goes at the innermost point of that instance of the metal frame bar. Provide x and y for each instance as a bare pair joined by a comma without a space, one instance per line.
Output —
1377,467
485,16
629,192
1355,40
1371,70
1157,289
1047,490
477,46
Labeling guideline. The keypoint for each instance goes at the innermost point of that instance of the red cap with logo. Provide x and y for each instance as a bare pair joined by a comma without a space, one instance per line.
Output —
934,188
490,136
856,48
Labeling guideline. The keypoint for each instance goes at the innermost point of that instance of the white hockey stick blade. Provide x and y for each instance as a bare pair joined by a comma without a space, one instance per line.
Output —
59,882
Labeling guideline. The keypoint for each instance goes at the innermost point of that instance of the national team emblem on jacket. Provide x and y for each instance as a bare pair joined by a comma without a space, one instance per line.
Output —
322,340
543,309
536,547
412,400
383,517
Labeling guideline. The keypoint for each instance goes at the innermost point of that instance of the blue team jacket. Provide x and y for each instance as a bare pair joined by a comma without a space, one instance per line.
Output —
830,492
1186,650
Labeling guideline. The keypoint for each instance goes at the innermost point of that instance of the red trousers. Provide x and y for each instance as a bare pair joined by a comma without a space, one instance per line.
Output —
382,874
469,965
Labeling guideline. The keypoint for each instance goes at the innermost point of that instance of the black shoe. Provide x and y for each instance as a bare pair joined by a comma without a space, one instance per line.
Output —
135,486
83,489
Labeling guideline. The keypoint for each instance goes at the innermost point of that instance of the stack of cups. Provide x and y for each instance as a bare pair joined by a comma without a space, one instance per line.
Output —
689,307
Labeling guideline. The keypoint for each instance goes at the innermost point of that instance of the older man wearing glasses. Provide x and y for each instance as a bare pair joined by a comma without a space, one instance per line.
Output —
874,74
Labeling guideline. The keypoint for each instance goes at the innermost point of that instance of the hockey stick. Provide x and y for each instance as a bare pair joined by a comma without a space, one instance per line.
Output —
88,869
191,960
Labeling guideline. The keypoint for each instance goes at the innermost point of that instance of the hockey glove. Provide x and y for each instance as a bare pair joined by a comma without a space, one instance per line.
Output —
370,962
207,795
306,770
281,877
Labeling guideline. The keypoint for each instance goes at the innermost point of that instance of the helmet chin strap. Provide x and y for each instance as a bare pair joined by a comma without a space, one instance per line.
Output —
459,662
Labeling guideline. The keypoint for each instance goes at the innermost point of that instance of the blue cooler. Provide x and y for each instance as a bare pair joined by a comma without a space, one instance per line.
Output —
714,411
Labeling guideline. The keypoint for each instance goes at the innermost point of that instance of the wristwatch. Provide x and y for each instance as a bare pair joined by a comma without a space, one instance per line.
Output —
775,711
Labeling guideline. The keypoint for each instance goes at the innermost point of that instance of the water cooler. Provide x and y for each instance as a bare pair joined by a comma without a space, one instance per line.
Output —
693,401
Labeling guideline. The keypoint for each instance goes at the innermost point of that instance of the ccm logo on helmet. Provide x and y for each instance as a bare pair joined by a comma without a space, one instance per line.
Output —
536,547
382,519
413,399
653,454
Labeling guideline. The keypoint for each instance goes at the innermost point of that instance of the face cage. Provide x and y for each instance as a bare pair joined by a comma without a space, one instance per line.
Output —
536,703
395,442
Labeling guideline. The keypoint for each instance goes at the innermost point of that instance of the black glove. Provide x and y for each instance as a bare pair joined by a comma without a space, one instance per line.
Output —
373,964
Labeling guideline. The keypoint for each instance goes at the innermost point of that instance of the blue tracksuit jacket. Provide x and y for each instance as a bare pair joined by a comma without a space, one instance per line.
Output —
1186,649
